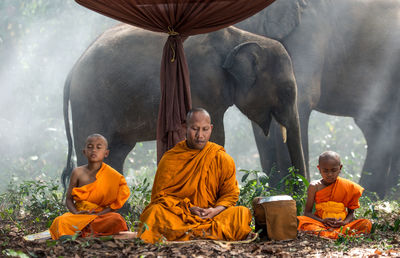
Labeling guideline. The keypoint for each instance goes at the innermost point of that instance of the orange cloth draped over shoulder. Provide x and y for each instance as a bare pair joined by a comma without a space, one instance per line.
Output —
333,202
109,190
187,177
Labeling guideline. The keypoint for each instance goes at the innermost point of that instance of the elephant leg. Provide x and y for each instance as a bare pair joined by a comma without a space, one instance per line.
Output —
266,147
119,150
273,152
377,163
394,172
393,180
304,118
218,133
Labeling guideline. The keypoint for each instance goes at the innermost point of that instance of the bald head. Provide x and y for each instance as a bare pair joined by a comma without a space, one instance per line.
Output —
97,136
198,128
329,155
189,116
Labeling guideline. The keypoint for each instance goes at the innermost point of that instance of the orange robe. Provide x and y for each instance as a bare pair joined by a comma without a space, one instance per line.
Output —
109,190
187,177
331,202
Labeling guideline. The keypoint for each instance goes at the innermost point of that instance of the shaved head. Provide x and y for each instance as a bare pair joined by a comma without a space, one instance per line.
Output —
96,135
198,128
196,110
329,155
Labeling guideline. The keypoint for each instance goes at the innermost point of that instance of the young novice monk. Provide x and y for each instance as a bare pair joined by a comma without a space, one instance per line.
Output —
94,192
335,200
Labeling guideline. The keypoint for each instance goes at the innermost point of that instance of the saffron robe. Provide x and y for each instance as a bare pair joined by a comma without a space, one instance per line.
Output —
331,202
108,190
187,177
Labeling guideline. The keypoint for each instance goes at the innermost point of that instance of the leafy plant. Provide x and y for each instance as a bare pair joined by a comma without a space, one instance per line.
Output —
257,184
14,253
40,200
296,186
385,215
138,200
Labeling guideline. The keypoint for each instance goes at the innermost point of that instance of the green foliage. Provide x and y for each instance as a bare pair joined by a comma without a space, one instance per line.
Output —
14,253
385,218
385,215
138,200
256,184
40,200
345,240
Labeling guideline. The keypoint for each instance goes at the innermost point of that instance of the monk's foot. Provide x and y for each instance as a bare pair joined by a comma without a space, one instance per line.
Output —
126,235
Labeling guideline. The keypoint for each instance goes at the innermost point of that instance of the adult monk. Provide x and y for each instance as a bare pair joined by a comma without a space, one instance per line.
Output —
335,200
95,191
195,190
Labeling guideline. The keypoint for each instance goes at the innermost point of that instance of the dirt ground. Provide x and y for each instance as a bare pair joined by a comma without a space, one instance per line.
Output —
13,244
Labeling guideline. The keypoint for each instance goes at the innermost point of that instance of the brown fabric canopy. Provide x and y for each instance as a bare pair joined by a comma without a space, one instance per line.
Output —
180,19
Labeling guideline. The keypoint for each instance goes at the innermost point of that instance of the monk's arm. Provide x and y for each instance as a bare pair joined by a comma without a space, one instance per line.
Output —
69,201
312,189
228,189
106,210
349,218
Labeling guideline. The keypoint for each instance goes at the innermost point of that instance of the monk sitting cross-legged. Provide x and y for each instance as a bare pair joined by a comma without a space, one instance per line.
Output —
94,192
195,190
335,200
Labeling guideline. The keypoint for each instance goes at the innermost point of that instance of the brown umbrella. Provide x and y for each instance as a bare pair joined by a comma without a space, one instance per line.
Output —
180,19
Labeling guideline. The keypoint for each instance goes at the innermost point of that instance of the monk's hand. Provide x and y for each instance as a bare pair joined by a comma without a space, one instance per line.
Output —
329,222
334,223
210,213
196,210
337,223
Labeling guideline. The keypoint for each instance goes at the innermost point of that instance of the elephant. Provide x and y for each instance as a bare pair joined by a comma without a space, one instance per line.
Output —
346,61
113,89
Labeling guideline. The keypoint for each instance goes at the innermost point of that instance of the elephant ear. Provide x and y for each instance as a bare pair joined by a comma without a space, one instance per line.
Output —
278,20
242,64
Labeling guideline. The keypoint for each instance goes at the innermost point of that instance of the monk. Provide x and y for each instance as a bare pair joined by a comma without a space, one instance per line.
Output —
195,191
335,200
95,191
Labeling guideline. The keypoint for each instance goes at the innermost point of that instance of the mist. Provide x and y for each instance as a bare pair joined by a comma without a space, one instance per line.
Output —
39,43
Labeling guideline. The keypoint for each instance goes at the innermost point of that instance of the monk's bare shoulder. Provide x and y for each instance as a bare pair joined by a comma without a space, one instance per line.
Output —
80,176
317,185
314,186
79,171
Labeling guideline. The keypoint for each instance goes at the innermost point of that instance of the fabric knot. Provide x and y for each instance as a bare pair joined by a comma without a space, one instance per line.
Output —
171,31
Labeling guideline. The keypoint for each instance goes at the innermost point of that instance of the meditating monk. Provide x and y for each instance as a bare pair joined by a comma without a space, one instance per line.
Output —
95,191
195,190
335,200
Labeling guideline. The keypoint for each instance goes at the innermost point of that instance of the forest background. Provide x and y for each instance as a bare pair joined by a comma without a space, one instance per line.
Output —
40,40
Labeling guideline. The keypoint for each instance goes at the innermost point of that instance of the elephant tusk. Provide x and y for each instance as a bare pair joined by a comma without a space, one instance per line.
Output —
284,133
